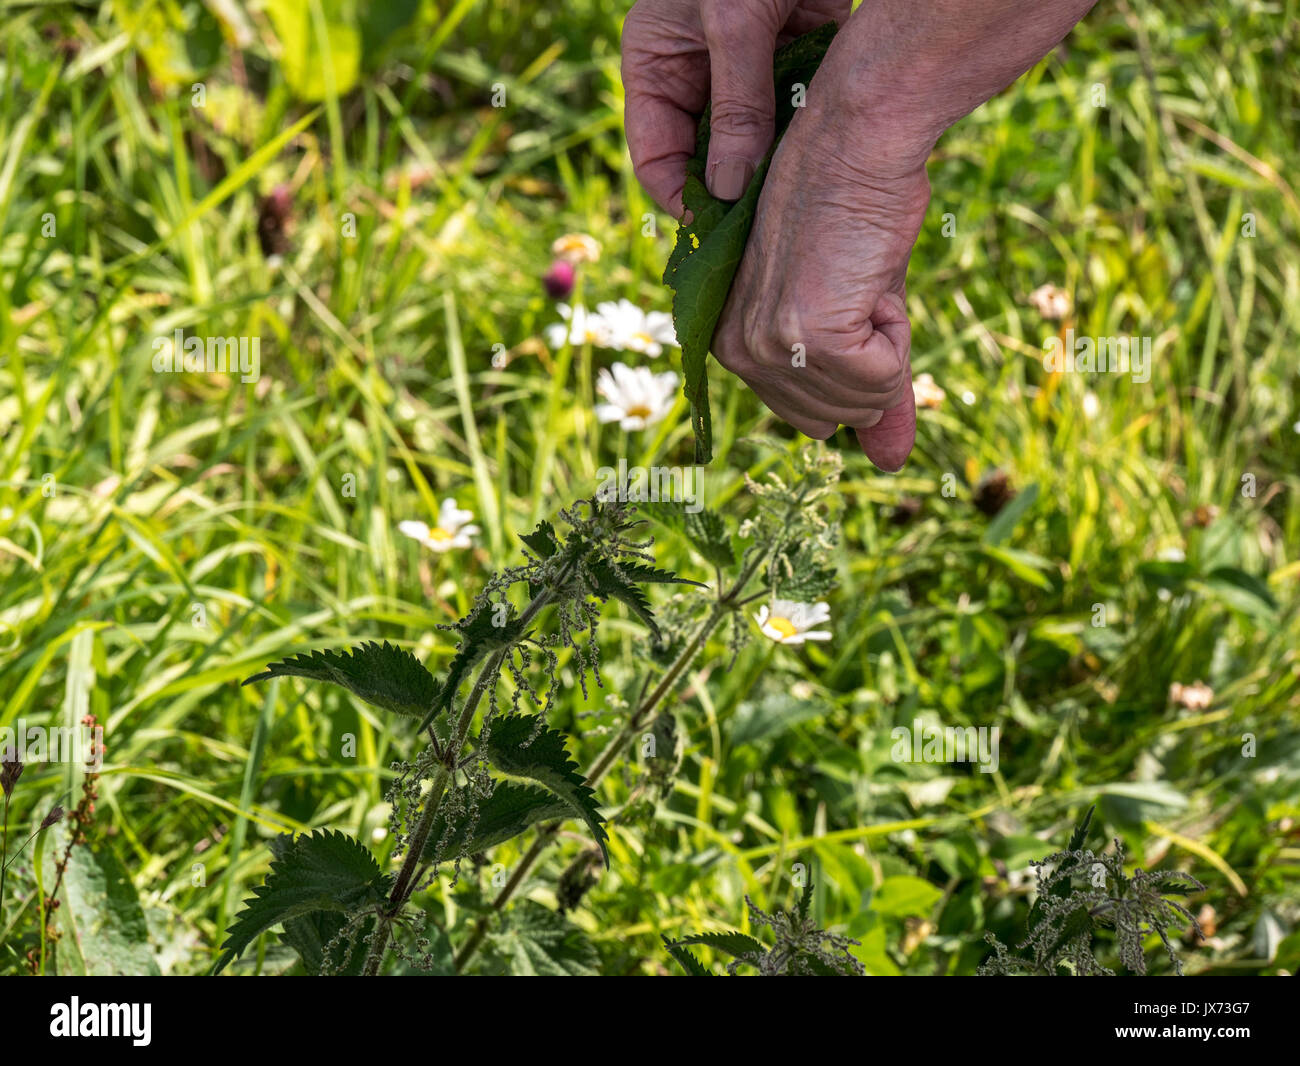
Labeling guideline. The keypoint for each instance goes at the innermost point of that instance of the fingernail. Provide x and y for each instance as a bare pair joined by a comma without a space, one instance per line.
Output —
729,178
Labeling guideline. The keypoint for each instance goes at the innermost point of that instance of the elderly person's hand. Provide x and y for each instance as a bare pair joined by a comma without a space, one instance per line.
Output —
816,322
678,55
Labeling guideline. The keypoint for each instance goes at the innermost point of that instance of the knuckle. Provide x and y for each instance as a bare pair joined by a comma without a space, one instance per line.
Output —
738,116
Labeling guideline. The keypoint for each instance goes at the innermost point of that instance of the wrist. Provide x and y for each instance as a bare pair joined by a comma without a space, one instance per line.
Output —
878,109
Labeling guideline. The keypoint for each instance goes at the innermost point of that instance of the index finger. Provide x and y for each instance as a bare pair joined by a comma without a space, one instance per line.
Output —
660,139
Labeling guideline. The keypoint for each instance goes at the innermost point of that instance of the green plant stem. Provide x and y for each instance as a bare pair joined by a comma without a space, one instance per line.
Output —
406,876
601,766
4,856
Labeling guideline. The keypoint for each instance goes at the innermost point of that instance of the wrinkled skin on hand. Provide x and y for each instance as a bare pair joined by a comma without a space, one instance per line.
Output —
825,269
826,261
681,55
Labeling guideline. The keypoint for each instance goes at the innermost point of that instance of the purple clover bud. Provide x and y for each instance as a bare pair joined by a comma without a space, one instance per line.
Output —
559,280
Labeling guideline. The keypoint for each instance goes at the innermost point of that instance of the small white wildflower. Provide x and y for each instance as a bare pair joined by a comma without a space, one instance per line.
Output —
636,396
968,397
1090,404
788,622
453,530
580,326
631,329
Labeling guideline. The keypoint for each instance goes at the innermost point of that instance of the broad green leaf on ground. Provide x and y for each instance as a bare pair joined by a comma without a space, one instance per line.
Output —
305,58
509,811
517,747
179,42
325,871
537,942
383,675
1241,591
905,896
772,714
709,248
104,928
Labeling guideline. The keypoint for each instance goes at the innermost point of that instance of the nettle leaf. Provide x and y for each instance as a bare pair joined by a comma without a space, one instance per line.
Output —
705,529
510,810
1080,834
649,575
382,675
709,248
479,636
687,961
537,942
513,749
708,532
542,540
326,871
310,934
609,585
739,945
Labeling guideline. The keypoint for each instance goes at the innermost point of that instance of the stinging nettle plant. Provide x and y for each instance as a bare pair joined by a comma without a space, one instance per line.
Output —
469,790
802,948
1080,892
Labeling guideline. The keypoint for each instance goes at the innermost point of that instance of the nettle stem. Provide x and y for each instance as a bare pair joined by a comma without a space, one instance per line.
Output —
724,605
406,881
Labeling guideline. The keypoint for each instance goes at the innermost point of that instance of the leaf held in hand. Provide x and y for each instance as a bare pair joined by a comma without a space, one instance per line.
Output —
709,248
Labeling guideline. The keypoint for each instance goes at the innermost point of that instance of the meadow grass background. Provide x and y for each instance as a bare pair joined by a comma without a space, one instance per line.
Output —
176,490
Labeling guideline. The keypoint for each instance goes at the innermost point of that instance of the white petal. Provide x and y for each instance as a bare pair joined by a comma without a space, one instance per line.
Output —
418,530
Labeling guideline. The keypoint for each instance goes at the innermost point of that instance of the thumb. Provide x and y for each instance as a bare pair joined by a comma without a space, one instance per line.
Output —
741,35
889,442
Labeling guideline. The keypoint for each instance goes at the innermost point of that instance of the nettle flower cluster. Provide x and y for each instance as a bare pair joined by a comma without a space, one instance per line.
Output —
491,767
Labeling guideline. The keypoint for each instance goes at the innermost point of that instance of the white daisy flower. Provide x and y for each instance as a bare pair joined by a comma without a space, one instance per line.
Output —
452,531
788,622
580,326
637,396
631,329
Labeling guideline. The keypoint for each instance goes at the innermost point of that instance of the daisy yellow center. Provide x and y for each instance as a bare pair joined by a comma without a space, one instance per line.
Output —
638,410
783,626
438,533
644,338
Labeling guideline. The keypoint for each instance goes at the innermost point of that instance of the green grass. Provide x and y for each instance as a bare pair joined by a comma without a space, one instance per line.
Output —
175,490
